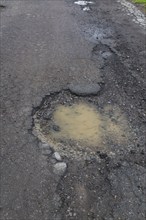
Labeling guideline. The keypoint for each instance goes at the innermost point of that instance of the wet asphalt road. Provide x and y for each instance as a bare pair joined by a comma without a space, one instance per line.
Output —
45,46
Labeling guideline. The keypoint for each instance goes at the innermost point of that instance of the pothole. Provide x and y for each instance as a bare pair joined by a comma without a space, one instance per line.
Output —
99,35
75,125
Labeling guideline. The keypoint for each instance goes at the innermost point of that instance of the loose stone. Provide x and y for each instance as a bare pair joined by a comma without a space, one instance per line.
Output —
44,145
46,151
60,168
57,156
106,55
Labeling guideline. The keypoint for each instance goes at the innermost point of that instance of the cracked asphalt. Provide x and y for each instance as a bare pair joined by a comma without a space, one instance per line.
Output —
46,46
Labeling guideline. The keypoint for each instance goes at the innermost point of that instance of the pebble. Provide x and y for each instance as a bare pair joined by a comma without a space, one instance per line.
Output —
46,151
106,55
52,161
45,148
56,128
60,168
44,145
47,114
86,9
57,156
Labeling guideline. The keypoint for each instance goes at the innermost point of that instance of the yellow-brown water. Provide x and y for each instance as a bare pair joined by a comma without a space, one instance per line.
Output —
84,124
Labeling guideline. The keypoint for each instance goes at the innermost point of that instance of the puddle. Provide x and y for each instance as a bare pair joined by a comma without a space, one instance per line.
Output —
79,122
73,125
82,123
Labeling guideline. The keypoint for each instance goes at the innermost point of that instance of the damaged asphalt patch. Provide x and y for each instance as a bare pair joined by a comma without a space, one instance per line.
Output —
84,89
92,171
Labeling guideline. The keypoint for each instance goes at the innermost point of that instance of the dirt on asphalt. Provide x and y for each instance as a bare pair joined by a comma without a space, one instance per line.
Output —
66,70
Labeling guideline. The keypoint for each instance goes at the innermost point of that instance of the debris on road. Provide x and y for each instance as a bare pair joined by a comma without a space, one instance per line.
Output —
60,168
57,156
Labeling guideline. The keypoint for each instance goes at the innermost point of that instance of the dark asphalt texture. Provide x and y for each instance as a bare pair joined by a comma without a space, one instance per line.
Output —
45,47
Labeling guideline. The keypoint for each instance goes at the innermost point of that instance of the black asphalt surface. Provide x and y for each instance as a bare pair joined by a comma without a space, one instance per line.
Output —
45,47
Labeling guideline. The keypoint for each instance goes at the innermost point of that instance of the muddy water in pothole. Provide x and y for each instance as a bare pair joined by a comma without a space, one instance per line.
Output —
85,125
78,122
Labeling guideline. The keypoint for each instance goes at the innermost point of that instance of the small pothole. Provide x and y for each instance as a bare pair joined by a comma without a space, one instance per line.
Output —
75,125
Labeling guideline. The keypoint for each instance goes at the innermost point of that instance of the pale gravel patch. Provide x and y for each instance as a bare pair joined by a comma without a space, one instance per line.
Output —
83,3
131,9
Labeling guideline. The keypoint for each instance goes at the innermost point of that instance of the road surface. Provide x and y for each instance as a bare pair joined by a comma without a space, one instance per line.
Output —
46,46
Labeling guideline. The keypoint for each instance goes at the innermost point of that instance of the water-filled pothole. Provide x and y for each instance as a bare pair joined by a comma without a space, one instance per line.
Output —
73,124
